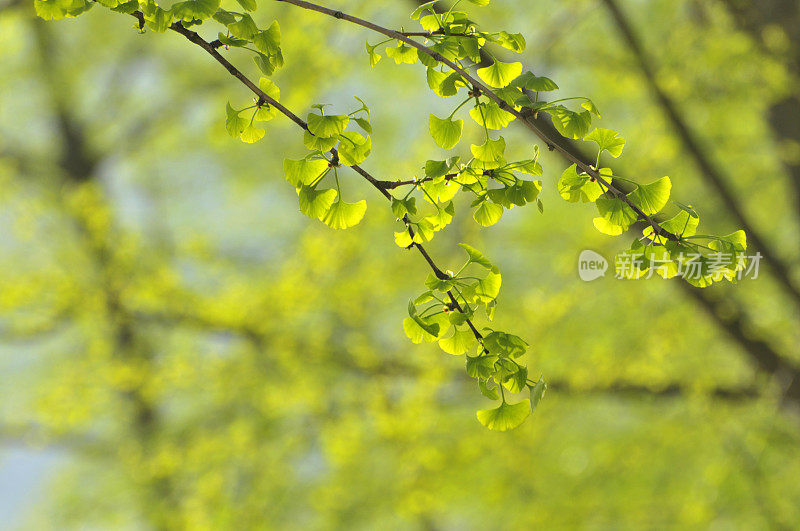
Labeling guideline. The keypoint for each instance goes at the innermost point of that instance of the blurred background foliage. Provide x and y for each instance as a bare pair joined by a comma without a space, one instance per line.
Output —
180,348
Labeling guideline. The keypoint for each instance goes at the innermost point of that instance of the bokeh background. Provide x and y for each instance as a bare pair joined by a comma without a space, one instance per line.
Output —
181,348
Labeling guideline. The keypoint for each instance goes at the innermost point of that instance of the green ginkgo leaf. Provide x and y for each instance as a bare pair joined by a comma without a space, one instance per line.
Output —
316,143
487,214
248,5
374,56
315,203
506,416
244,28
195,9
575,187
234,123
403,54
537,84
652,197
615,216
353,148
327,126
416,333
500,74
343,215
446,132
269,42
304,171
682,224
480,366
475,256
537,393
491,115
569,123
458,343
488,288
607,140
252,134
266,111
489,151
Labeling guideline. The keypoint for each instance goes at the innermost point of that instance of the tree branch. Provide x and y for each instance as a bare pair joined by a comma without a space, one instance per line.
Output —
708,169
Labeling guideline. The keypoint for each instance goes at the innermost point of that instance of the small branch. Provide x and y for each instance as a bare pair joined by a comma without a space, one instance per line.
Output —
479,86
235,72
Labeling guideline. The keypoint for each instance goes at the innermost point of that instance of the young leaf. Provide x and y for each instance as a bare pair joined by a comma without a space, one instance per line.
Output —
315,203
651,198
615,216
487,214
569,123
234,123
506,416
403,54
459,343
252,134
476,256
491,115
446,132
576,187
353,148
489,151
608,140
500,74
304,171
327,126
343,215
374,56
537,393
537,84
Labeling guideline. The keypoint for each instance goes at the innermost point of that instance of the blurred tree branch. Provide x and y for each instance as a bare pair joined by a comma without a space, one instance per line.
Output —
709,170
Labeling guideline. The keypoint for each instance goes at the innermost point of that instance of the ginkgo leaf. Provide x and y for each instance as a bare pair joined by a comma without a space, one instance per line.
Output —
607,140
416,333
487,214
537,393
244,28
318,143
403,54
682,224
500,74
575,187
304,171
651,198
343,215
491,115
252,134
269,88
615,216
327,126
488,288
446,132
476,256
269,42
506,416
537,84
196,9
489,151
234,123
458,343
569,123
353,148
315,203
